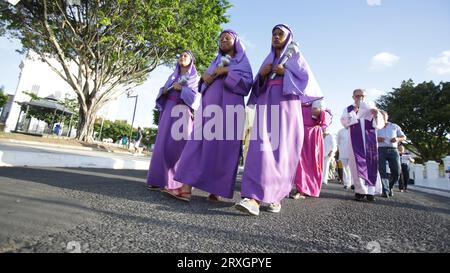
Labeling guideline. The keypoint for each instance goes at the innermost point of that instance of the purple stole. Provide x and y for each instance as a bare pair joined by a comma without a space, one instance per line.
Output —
366,157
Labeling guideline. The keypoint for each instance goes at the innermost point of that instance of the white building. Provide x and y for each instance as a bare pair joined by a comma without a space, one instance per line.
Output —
38,78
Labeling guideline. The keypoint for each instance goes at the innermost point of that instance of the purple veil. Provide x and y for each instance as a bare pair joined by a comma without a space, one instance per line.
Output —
298,78
239,63
191,84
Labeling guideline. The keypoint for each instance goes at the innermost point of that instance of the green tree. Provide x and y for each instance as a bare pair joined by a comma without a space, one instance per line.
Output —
3,97
149,136
103,47
423,113
112,129
156,117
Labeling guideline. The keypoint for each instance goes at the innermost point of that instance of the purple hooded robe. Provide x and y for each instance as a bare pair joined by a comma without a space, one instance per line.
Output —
211,164
167,150
270,168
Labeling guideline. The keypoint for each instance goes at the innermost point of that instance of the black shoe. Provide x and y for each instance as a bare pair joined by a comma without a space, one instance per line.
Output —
345,187
352,187
391,194
385,195
370,198
359,197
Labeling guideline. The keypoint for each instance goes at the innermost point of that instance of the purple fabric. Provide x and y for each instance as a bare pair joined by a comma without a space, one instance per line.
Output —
211,165
366,156
188,92
167,151
269,174
296,75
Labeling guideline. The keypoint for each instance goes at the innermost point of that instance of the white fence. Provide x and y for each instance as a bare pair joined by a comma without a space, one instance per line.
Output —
429,176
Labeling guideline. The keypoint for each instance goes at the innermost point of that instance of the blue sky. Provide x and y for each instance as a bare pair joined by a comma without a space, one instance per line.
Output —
371,44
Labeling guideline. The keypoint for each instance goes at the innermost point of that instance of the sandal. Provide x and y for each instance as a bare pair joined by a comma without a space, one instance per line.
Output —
178,194
297,196
152,188
213,198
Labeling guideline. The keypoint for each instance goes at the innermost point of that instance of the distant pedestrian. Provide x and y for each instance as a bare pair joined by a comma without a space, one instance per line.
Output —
329,147
137,140
57,129
343,141
406,159
388,138
124,141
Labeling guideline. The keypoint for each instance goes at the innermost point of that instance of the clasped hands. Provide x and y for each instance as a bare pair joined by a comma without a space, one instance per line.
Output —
219,71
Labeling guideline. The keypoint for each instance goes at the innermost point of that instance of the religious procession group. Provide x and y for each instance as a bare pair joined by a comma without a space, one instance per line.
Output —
286,144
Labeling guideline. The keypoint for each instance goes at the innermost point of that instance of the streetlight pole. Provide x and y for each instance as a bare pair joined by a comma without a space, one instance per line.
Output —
101,129
134,113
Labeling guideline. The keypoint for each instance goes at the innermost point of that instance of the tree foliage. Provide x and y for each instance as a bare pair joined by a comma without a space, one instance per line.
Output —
104,46
112,129
116,129
156,114
3,97
423,113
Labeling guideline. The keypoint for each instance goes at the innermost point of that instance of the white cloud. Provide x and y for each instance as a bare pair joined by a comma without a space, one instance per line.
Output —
373,94
441,64
374,2
383,60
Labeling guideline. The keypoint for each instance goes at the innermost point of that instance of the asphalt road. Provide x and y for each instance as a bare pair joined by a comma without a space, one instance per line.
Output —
98,210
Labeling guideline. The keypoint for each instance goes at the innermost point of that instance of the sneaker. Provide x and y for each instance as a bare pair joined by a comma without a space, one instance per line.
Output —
274,207
345,187
391,193
247,206
352,187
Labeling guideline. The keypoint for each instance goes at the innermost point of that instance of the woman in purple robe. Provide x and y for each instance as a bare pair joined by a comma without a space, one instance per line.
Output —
180,96
277,133
211,162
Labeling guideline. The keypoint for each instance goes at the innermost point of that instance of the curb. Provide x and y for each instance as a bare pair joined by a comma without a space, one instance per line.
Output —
430,191
32,159
48,144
